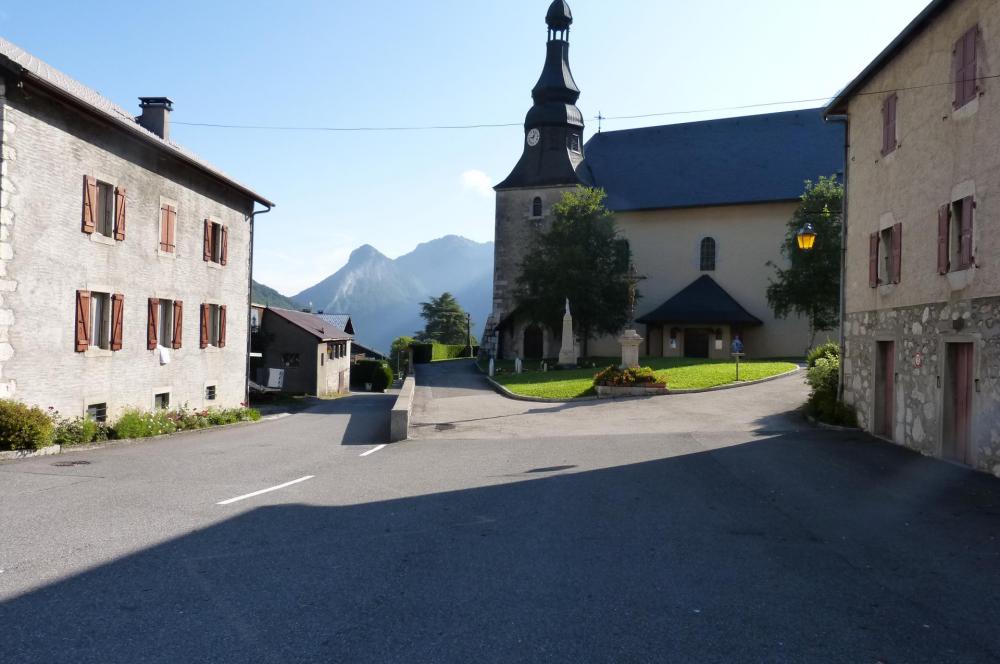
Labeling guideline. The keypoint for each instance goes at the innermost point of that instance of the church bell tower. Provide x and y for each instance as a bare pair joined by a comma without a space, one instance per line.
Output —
552,162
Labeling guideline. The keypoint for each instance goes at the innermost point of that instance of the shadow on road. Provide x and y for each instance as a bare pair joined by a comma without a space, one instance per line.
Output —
831,549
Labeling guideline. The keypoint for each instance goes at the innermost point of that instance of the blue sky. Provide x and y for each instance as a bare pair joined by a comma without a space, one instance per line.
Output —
339,63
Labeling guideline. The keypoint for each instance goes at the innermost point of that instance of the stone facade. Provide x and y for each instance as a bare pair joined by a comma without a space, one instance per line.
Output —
920,335
45,258
943,151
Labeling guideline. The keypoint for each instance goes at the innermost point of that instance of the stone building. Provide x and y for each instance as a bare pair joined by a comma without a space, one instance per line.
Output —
314,354
922,316
704,206
124,259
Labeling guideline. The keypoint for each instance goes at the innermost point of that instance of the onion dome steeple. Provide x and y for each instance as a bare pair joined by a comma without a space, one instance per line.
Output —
553,128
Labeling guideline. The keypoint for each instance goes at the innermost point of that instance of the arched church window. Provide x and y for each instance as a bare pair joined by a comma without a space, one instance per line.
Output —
708,255
536,207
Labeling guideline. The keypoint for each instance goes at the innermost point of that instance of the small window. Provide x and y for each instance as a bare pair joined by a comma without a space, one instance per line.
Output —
889,140
885,257
960,234
166,331
105,221
214,318
331,350
161,401
290,360
100,320
536,207
966,67
210,393
708,255
574,142
216,242
168,229
98,412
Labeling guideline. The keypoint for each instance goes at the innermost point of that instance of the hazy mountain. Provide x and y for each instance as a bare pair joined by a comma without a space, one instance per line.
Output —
268,296
383,295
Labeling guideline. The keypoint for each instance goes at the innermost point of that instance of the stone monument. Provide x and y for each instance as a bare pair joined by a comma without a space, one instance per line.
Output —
631,340
567,354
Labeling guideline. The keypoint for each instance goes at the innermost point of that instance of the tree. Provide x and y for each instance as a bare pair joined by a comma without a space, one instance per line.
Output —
446,321
399,354
582,257
810,286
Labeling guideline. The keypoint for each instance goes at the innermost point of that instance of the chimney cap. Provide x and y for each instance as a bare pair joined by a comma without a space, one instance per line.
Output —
156,102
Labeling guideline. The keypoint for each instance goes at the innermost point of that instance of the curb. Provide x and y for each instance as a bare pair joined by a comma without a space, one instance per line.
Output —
831,427
503,391
53,450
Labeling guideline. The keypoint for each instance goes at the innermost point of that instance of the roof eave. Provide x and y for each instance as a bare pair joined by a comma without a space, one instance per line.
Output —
839,104
137,132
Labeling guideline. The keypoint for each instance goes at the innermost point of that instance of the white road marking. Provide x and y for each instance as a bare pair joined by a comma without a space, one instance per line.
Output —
263,491
373,451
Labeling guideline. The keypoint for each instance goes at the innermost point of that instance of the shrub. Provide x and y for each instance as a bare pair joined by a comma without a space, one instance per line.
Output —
615,377
24,427
423,353
376,372
78,431
140,424
822,377
829,350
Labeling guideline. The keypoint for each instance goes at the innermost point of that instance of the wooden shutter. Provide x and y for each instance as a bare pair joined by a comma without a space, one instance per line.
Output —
224,251
873,260
82,321
89,204
944,257
204,326
207,250
966,258
153,323
171,228
965,67
117,320
897,254
178,323
120,213
222,326
889,125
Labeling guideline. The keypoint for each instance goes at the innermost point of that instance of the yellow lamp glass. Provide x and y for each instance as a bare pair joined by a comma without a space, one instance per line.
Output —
807,238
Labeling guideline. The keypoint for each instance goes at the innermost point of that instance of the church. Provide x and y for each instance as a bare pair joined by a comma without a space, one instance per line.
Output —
704,206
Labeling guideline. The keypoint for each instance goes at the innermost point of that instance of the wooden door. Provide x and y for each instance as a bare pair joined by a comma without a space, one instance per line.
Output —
696,343
885,386
958,403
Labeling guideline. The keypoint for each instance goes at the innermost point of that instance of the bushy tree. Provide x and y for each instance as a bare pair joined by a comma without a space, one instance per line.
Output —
446,321
581,257
810,285
399,354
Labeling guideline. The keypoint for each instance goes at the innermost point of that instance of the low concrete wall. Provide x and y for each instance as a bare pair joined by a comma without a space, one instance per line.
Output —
399,418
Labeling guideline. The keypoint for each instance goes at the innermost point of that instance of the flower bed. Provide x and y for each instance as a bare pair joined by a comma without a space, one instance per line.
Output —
632,382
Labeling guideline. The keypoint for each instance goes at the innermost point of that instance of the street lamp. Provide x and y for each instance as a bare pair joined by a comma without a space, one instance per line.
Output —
806,237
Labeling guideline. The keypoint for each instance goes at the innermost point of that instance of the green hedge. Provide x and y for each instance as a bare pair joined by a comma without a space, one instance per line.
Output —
25,427
376,372
425,352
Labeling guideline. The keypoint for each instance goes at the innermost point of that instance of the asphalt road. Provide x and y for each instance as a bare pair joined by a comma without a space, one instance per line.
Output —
765,543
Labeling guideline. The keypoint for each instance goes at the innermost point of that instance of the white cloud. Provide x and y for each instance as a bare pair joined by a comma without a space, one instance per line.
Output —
478,182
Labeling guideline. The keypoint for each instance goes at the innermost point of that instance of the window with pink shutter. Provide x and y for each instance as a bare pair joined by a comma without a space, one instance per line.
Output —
965,67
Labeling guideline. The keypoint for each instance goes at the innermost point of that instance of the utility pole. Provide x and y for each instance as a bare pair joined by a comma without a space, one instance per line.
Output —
468,331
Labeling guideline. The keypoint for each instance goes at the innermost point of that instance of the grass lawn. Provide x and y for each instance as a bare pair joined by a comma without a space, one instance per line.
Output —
678,373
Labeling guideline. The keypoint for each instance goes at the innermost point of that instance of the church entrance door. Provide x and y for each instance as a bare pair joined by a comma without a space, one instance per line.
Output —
534,347
696,343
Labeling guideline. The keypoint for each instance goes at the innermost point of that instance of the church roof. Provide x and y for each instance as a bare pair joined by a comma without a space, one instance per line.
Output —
753,159
704,302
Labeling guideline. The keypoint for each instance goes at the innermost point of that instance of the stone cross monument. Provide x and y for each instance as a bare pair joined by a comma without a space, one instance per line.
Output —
567,354
631,340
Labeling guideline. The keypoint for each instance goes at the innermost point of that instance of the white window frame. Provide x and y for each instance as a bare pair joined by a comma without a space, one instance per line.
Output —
100,320
165,335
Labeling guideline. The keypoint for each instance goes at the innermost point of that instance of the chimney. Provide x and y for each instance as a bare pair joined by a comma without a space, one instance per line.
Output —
156,115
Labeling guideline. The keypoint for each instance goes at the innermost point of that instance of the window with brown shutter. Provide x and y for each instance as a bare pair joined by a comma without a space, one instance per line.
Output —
944,231
117,320
204,326
168,228
889,141
965,254
207,249
153,323
178,323
120,214
222,326
965,67
224,253
873,243
89,204
82,321
896,262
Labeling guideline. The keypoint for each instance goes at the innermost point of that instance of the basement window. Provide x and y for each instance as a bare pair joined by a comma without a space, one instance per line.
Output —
98,412
210,393
161,401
